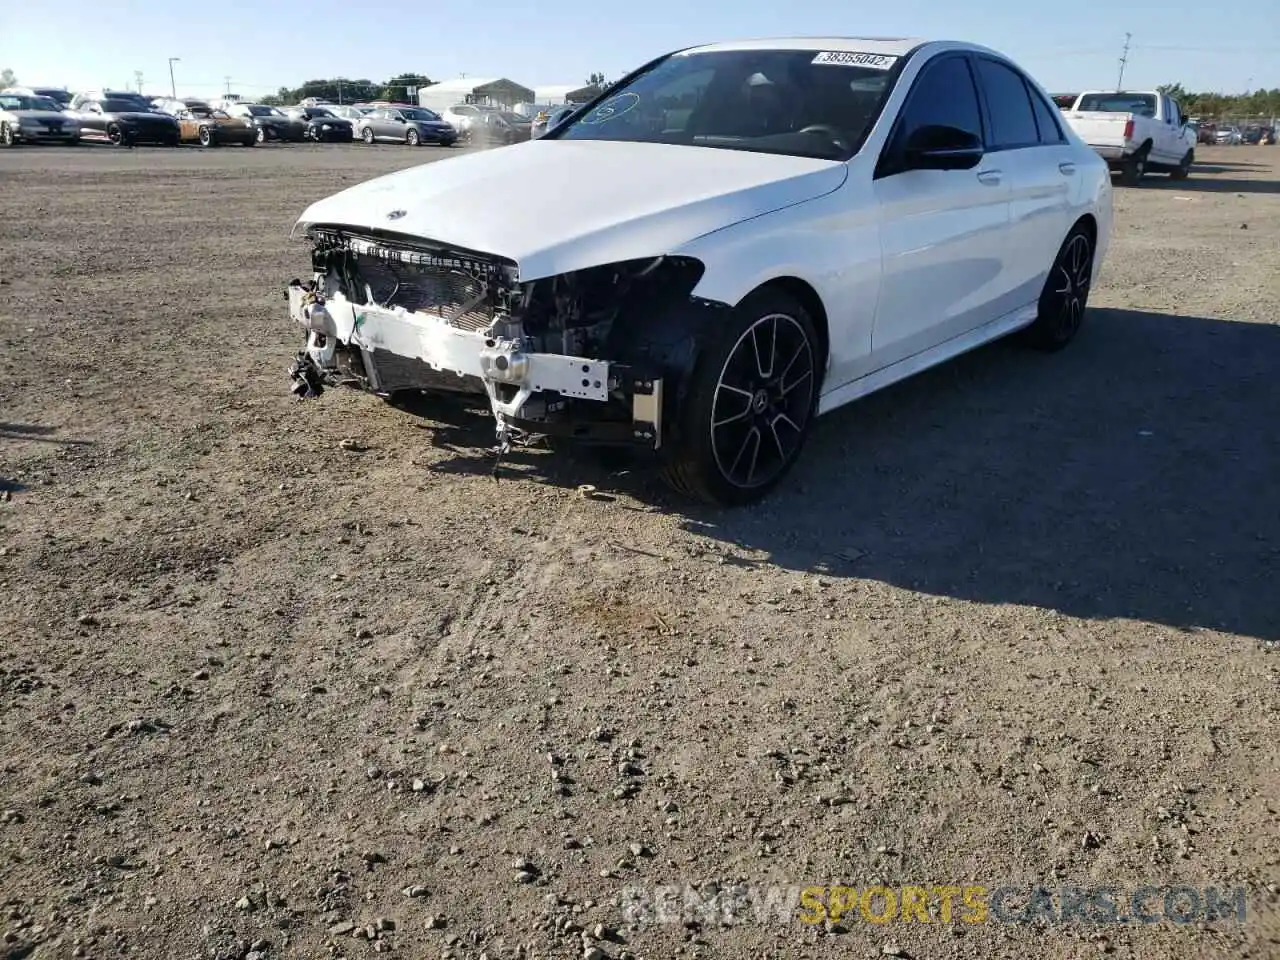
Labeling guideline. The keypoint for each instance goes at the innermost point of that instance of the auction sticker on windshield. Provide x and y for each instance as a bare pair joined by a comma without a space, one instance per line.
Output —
848,58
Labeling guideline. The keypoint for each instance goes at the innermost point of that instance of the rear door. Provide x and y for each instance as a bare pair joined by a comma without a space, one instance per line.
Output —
943,233
1039,163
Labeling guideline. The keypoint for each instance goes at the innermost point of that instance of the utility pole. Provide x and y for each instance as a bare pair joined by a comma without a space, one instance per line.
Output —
228,82
137,75
173,87
1124,59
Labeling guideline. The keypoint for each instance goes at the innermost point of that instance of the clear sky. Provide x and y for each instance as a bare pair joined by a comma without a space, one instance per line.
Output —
1225,47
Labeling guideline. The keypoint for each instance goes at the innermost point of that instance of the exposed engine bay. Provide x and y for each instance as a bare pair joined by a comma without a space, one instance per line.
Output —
388,313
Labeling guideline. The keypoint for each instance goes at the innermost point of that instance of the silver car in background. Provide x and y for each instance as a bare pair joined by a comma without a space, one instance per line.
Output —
31,119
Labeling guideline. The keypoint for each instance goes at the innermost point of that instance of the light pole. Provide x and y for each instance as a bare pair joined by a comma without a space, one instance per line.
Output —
173,87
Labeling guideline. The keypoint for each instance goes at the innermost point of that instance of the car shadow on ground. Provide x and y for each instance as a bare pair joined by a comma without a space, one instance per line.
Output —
34,433
1225,166
1195,184
1130,476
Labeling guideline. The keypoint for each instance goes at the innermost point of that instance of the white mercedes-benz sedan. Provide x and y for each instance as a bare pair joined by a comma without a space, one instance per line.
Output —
725,244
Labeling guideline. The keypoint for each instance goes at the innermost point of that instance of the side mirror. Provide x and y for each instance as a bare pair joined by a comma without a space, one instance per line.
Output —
938,147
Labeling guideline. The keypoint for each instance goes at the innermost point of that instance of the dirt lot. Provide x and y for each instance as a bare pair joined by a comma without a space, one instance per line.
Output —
1014,622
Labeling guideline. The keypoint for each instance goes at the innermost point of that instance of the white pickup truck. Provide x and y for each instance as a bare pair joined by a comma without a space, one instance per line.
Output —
1135,132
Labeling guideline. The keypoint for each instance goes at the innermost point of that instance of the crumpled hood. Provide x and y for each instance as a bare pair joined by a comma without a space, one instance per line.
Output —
558,205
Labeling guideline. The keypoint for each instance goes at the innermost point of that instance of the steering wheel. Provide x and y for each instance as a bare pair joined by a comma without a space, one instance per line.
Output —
831,133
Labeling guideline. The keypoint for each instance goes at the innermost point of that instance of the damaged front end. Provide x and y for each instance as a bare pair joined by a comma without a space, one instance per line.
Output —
584,354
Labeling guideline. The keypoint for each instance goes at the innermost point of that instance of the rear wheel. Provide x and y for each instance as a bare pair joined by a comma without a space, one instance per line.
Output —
752,397
261,135
6,135
206,137
1134,169
413,138
1065,294
367,135
115,133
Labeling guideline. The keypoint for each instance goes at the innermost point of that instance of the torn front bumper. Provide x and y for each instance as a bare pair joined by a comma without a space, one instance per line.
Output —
387,349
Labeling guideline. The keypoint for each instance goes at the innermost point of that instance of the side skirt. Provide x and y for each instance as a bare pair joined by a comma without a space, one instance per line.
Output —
909,366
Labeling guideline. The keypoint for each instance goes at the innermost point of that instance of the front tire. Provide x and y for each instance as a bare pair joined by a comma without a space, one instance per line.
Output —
413,138
1065,295
752,398
6,135
367,135
206,137
261,135
1183,170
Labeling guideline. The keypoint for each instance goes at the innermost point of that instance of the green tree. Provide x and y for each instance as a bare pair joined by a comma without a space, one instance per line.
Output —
7,78
397,88
1259,104
595,80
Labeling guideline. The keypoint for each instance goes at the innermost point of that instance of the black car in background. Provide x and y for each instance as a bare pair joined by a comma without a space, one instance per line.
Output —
500,127
125,123
323,125
272,123
1259,135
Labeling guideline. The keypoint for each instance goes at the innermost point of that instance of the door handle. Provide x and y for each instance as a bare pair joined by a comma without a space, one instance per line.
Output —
1067,168
990,177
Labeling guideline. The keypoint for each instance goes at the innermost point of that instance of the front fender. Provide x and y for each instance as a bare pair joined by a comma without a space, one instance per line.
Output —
831,243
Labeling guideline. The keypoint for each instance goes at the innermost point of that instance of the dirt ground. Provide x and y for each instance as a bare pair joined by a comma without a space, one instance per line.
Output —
1013,622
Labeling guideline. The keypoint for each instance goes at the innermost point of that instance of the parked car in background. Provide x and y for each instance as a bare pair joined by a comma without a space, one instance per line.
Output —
1064,101
138,101
499,127
1206,132
1257,134
405,124
1228,135
836,215
462,115
269,123
322,124
352,112
1135,132
548,119
210,127
30,119
59,95
125,123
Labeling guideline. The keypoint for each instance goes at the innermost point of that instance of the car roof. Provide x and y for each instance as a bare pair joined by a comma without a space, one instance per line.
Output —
888,46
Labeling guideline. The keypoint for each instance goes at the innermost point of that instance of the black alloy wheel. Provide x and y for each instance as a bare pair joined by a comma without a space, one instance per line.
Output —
752,399
1066,293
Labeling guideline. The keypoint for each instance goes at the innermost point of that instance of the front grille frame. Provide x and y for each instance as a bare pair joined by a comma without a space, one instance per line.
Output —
465,288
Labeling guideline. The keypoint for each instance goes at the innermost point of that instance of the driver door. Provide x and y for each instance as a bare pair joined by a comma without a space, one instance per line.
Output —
188,125
92,118
943,233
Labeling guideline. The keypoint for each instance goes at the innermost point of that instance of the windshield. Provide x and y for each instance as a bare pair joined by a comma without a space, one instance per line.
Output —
1143,104
318,112
19,101
124,106
418,113
264,112
804,103
514,118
